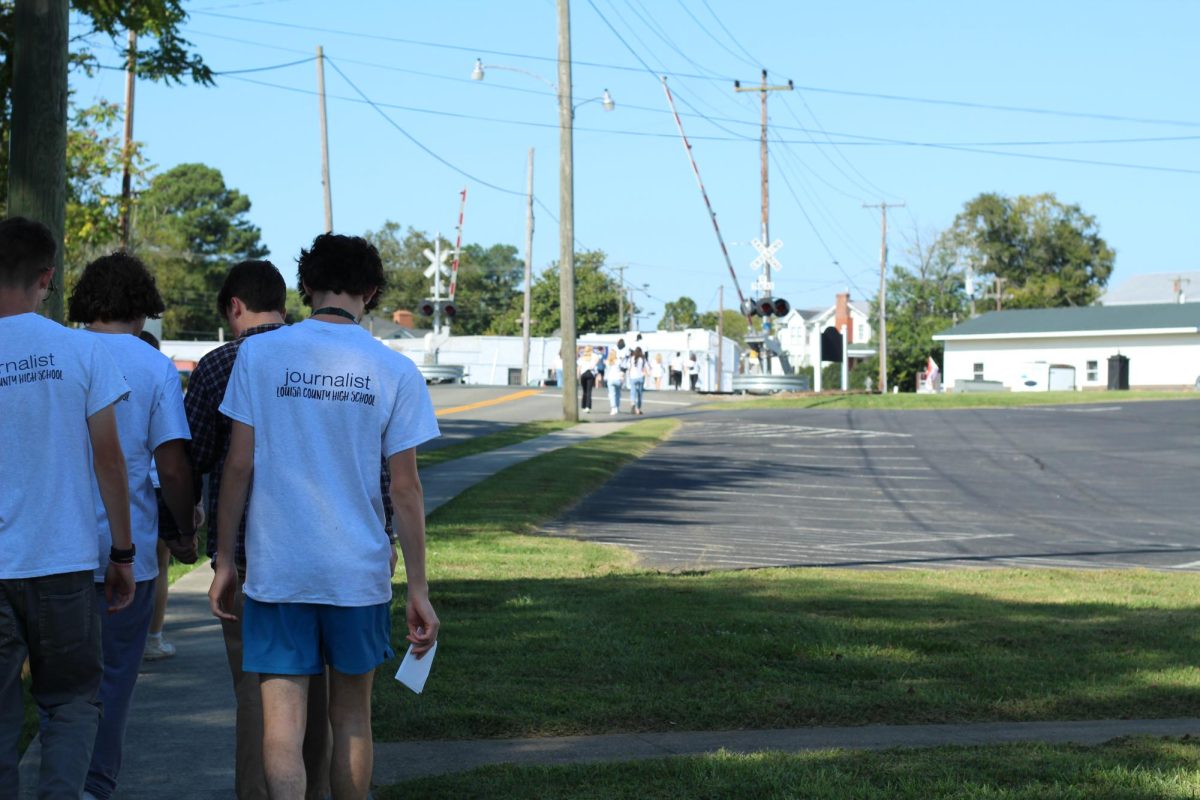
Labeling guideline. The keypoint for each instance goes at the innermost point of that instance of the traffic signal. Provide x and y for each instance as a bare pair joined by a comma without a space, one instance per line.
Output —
766,307
448,309
426,308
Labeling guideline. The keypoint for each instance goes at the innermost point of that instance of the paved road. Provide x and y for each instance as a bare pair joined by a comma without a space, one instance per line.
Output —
468,411
1066,486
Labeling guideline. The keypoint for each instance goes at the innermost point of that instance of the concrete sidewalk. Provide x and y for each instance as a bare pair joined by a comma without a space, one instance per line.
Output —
398,761
180,739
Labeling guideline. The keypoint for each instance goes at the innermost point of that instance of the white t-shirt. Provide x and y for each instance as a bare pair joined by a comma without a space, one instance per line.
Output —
52,380
152,416
326,402
676,364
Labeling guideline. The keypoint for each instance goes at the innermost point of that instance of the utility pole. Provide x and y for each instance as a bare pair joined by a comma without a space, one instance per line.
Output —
999,293
883,206
37,162
324,140
621,299
525,322
566,216
127,153
720,335
763,90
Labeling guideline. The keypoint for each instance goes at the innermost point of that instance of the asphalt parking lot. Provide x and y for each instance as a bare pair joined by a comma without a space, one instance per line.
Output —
1059,486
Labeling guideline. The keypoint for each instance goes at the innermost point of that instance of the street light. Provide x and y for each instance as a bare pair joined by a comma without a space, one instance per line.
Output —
566,217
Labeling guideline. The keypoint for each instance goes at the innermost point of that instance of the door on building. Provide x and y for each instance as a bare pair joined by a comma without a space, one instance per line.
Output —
1062,378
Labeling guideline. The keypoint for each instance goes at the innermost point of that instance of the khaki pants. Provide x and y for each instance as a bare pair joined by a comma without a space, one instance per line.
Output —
250,781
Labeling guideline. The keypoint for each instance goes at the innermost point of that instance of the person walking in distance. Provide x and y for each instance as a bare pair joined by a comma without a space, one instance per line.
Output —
614,377
113,298
586,370
657,371
693,371
314,407
58,392
636,376
676,371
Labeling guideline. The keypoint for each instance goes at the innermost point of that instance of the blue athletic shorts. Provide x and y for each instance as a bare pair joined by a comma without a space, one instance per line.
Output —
301,638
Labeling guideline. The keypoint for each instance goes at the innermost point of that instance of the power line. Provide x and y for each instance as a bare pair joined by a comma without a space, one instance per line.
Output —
709,34
732,38
416,141
716,78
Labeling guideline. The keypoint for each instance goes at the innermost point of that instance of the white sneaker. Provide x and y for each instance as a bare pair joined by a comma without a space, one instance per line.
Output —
612,412
587,411
157,648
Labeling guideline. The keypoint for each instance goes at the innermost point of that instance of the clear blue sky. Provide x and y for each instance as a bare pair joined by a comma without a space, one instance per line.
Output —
635,195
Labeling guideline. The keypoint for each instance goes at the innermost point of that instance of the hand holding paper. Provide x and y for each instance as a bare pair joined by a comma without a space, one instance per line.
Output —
414,670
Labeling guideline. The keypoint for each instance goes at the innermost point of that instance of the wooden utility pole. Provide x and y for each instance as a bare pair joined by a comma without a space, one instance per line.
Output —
621,299
763,90
1000,293
127,152
37,161
324,140
525,321
720,334
882,206
566,216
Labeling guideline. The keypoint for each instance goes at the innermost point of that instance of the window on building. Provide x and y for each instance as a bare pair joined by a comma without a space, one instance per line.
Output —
978,370
861,334
1093,370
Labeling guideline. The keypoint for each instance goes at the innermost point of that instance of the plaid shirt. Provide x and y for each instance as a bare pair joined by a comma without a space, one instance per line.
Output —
211,431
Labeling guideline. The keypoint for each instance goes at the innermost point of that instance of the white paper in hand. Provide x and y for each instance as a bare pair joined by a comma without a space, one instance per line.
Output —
413,672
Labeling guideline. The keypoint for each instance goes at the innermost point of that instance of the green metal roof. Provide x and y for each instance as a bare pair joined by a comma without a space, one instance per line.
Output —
1080,319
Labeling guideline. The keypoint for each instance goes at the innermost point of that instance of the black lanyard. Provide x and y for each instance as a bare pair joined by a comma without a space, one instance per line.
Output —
335,311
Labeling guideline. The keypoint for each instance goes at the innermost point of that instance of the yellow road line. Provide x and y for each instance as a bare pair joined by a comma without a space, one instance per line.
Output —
495,401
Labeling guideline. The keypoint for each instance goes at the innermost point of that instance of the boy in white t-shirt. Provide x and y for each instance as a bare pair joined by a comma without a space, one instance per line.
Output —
314,408
58,389
114,296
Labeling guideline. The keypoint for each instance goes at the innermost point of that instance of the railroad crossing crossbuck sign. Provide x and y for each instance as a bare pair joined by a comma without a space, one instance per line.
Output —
766,255
437,267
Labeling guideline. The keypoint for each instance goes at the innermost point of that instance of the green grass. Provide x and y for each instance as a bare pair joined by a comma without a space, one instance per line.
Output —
1125,769
550,636
950,400
492,441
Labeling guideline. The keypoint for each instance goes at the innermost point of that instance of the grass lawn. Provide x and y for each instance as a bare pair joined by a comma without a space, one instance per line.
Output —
492,441
1129,769
949,400
550,636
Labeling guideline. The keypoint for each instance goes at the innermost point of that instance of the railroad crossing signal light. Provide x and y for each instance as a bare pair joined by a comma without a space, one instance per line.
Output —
426,308
448,309
782,307
749,308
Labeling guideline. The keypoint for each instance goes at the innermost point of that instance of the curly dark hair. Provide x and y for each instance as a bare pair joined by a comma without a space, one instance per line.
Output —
26,251
335,263
115,288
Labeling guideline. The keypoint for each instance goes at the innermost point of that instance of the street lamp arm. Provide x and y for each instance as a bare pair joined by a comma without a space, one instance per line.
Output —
477,73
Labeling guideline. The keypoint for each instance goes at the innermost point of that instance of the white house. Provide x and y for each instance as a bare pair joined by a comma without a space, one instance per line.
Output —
800,331
1161,341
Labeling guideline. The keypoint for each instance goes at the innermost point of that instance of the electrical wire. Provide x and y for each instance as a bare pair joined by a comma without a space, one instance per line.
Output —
732,38
710,35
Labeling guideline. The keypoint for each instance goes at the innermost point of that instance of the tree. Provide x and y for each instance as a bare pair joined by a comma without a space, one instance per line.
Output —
678,315
736,327
1045,253
162,54
488,277
924,297
597,300
190,229
95,161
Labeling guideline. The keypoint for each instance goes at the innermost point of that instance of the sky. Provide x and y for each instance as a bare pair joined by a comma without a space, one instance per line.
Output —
927,103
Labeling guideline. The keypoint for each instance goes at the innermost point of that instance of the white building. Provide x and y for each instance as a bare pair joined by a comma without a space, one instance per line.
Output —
800,331
1161,341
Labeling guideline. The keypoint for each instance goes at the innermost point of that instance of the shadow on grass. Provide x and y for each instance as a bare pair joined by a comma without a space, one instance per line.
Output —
1139,769
781,648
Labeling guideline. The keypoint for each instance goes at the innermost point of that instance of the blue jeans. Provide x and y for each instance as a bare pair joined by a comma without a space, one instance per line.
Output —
614,394
55,621
124,639
637,389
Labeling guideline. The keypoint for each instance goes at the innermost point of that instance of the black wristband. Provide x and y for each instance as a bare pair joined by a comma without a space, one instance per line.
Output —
118,556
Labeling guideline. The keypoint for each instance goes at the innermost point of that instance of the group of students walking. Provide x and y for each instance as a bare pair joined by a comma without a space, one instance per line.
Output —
632,367
307,436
